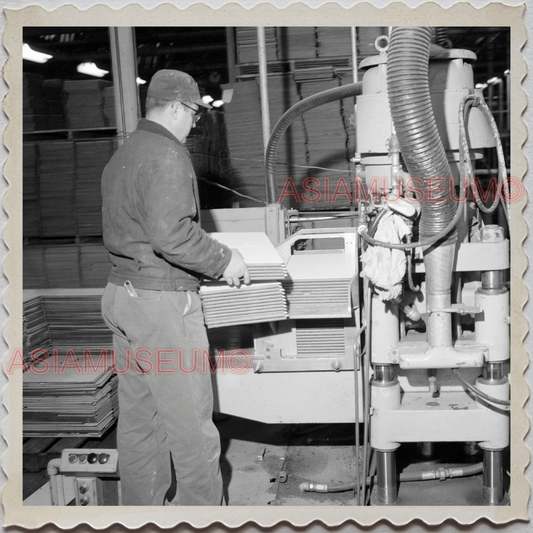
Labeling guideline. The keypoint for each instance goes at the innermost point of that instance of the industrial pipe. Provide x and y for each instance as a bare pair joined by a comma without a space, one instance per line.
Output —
57,491
324,97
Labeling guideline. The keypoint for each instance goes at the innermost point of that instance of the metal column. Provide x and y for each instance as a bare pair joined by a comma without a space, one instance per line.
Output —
123,56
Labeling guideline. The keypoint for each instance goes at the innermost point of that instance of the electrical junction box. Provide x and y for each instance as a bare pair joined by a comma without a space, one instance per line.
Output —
88,491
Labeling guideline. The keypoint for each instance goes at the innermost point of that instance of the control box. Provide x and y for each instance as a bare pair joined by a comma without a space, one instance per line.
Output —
89,461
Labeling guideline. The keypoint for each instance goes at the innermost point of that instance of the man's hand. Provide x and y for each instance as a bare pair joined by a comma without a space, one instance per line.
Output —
236,270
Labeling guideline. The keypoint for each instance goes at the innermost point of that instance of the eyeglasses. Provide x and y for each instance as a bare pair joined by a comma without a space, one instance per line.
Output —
197,112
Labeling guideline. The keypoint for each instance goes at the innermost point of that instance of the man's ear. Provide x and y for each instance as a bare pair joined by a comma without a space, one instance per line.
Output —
175,106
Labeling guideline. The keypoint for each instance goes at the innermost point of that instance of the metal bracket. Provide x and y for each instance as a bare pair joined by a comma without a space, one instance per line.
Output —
460,308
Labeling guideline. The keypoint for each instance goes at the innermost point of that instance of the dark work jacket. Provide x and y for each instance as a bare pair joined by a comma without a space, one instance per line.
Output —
151,215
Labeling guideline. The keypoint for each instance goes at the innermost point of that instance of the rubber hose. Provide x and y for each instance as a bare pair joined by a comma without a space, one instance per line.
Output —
423,475
416,128
324,97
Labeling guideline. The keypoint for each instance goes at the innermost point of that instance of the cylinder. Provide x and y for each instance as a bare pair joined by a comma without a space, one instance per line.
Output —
493,372
385,330
425,450
383,373
387,486
492,322
492,280
493,477
439,268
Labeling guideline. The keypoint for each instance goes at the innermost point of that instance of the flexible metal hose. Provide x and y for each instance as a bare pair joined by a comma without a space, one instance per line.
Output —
416,128
324,97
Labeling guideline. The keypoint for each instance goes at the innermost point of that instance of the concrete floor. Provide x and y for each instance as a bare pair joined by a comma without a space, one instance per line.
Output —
264,464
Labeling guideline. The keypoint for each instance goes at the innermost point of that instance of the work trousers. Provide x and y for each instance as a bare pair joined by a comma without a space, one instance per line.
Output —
165,397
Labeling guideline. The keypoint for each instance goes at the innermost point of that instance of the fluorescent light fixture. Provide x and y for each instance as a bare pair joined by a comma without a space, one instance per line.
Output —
91,69
218,103
481,86
207,99
31,55
494,81
140,81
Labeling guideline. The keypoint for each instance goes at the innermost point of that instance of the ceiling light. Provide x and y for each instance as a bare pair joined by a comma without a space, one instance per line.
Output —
91,70
218,103
207,99
31,55
140,81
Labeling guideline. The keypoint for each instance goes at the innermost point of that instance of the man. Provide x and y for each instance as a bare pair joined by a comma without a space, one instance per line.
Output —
159,252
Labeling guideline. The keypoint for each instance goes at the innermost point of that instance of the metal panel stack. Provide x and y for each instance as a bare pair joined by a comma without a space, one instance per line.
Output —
247,304
320,287
260,255
261,301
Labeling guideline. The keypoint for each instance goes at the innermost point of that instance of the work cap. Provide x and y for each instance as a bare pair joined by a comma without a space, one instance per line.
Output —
175,85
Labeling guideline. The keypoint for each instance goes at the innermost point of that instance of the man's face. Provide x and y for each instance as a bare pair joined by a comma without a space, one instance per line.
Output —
184,118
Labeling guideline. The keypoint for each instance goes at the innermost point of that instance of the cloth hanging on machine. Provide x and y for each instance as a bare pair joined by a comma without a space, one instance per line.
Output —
385,267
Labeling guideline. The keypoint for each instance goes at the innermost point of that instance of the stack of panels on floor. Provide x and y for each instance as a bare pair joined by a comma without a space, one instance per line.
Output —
95,265
245,139
65,266
334,41
73,392
245,143
247,44
36,339
57,162
31,226
109,106
34,104
326,143
64,401
296,42
91,158
85,103
247,304
34,268
62,265
53,90
76,323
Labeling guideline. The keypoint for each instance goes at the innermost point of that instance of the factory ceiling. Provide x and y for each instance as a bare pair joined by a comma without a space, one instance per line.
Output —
202,51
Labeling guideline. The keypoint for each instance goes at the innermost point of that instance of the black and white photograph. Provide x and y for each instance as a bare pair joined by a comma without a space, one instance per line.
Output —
266,270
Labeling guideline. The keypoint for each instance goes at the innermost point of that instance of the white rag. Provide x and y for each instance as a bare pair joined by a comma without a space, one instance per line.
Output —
385,267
